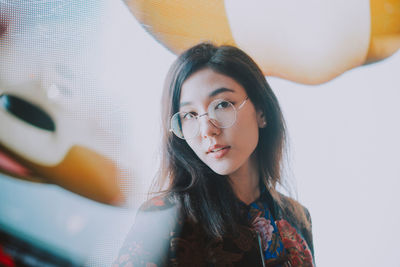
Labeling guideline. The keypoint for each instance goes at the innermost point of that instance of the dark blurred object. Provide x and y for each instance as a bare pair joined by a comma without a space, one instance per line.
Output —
16,252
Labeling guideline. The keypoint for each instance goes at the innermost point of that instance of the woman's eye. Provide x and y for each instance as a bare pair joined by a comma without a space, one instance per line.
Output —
188,116
223,105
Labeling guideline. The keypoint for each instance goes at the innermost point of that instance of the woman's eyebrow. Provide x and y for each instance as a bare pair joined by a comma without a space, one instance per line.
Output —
220,91
212,94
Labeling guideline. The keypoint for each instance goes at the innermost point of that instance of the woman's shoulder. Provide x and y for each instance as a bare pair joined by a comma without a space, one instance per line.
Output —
149,238
294,220
161,211
158,203
295,213
291,205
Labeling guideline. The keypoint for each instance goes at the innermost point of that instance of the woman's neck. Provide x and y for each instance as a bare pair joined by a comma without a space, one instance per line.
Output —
245,181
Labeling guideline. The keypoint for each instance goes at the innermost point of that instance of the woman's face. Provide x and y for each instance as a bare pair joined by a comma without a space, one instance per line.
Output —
224,150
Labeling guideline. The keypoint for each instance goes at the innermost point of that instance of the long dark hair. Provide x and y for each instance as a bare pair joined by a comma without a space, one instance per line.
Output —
207,197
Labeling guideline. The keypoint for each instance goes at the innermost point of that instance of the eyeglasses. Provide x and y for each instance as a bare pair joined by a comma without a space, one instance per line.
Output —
221,113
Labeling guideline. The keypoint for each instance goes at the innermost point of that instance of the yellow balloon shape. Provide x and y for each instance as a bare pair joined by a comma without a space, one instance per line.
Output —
306,41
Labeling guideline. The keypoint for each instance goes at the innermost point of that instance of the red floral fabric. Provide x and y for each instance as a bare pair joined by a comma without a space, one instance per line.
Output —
299,252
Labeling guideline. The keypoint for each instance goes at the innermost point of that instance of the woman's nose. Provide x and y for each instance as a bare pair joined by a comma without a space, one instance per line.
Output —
207,127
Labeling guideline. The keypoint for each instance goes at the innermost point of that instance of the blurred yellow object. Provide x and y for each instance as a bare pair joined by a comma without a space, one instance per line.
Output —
179,24
305,41
82,171
385,29
42,142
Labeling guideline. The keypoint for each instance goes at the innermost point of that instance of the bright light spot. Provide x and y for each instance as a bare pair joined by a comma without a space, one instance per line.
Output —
75,224
53,92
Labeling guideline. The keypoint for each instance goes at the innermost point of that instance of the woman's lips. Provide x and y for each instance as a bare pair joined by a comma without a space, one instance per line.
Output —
219,151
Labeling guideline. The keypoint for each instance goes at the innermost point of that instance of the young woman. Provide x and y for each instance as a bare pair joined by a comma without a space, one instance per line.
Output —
223,143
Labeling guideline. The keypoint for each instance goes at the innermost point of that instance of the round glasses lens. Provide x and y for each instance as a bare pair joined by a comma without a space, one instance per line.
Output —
222,113
184,125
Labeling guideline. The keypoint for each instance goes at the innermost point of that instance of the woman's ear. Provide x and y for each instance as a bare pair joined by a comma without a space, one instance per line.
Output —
261,121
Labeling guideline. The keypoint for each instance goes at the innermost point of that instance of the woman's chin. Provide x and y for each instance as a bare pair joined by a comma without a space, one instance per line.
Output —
222,170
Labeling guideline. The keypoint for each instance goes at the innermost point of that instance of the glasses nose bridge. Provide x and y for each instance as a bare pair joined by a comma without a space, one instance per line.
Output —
208,120
202,115
207,126
207,113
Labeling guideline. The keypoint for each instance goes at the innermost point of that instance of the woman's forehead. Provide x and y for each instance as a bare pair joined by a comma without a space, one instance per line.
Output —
206,84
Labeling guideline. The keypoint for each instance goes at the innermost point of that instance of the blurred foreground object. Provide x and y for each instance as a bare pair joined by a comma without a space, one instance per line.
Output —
15,252
39,142
47,127
306,41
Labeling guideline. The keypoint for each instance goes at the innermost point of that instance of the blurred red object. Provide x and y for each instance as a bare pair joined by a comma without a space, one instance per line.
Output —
6,260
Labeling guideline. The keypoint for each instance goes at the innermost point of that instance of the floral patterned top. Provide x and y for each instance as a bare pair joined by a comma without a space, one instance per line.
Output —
163,236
